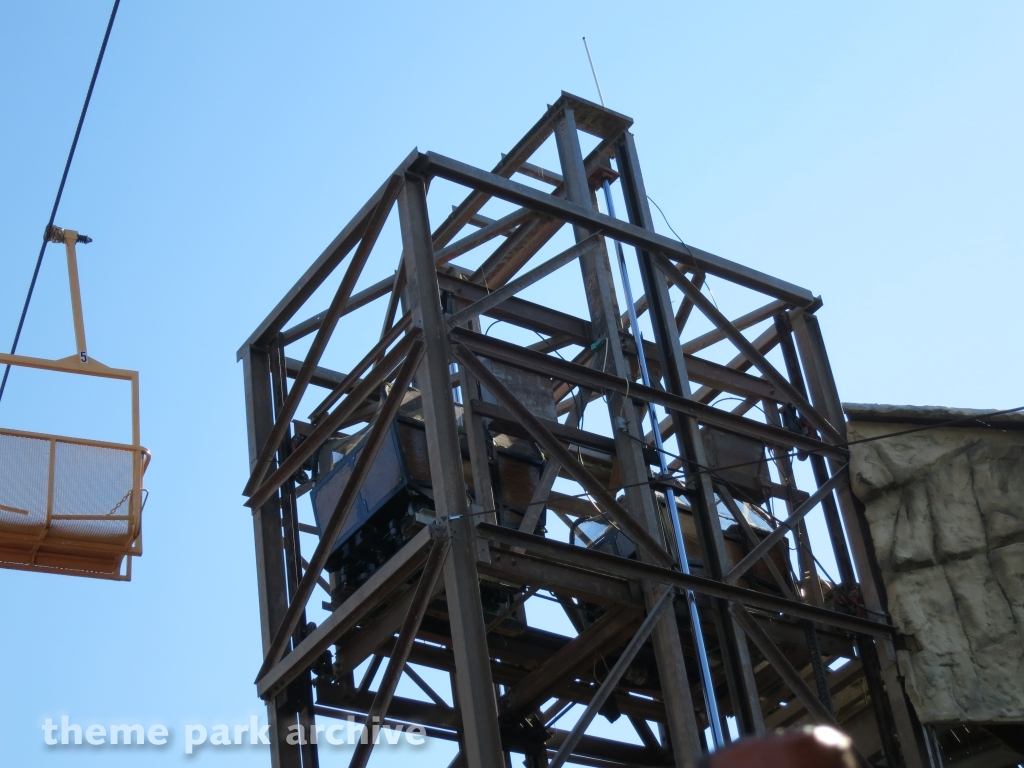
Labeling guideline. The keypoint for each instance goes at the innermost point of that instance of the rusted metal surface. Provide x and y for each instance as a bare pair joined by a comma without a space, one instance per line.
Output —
486,424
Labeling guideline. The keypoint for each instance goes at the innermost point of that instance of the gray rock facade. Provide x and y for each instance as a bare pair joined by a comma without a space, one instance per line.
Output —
946,512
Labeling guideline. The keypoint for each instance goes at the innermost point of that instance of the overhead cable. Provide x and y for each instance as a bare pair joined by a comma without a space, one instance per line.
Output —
60,192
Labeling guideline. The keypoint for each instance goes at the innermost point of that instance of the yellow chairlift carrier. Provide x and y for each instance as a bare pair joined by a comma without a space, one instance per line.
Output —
69,505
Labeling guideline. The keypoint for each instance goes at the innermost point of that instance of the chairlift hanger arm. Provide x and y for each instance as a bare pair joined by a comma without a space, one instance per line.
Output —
70,238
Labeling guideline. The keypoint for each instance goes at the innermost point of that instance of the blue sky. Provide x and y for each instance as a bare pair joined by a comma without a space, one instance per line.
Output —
868,152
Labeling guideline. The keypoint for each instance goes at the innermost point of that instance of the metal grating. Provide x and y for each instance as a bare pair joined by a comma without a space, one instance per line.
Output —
69,505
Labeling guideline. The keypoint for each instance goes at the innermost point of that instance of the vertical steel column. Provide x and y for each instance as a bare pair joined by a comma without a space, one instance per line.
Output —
732,641
270,573
805,558
462,586
825,397
784,329
628,435
301,691
483,490
710,700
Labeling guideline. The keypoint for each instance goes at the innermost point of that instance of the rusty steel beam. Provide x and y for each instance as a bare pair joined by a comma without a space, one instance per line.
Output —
374,441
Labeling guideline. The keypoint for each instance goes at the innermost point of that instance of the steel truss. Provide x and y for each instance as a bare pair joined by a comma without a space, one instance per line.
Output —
765,645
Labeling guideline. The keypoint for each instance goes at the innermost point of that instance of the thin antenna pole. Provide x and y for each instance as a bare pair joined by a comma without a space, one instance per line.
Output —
594,71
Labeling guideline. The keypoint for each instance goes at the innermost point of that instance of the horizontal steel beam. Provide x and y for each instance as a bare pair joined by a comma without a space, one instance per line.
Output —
355,301
749,350
522,570
320,269
603,497
511,288
590,378
506,421
622,567
322,377
520,312
740,323
590,117
346,616
716,375
508,674
433,164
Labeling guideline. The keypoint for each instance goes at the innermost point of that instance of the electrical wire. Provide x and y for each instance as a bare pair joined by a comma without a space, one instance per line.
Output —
681,242
669,225
740,399
60,191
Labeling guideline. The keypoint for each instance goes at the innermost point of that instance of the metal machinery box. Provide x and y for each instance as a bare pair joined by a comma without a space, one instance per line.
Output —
738,462
396,498
396,487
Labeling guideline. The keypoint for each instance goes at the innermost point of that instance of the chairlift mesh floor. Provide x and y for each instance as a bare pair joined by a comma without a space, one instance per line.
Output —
68,505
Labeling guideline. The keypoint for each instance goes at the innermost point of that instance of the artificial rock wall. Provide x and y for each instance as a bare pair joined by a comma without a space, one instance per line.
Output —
946,512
